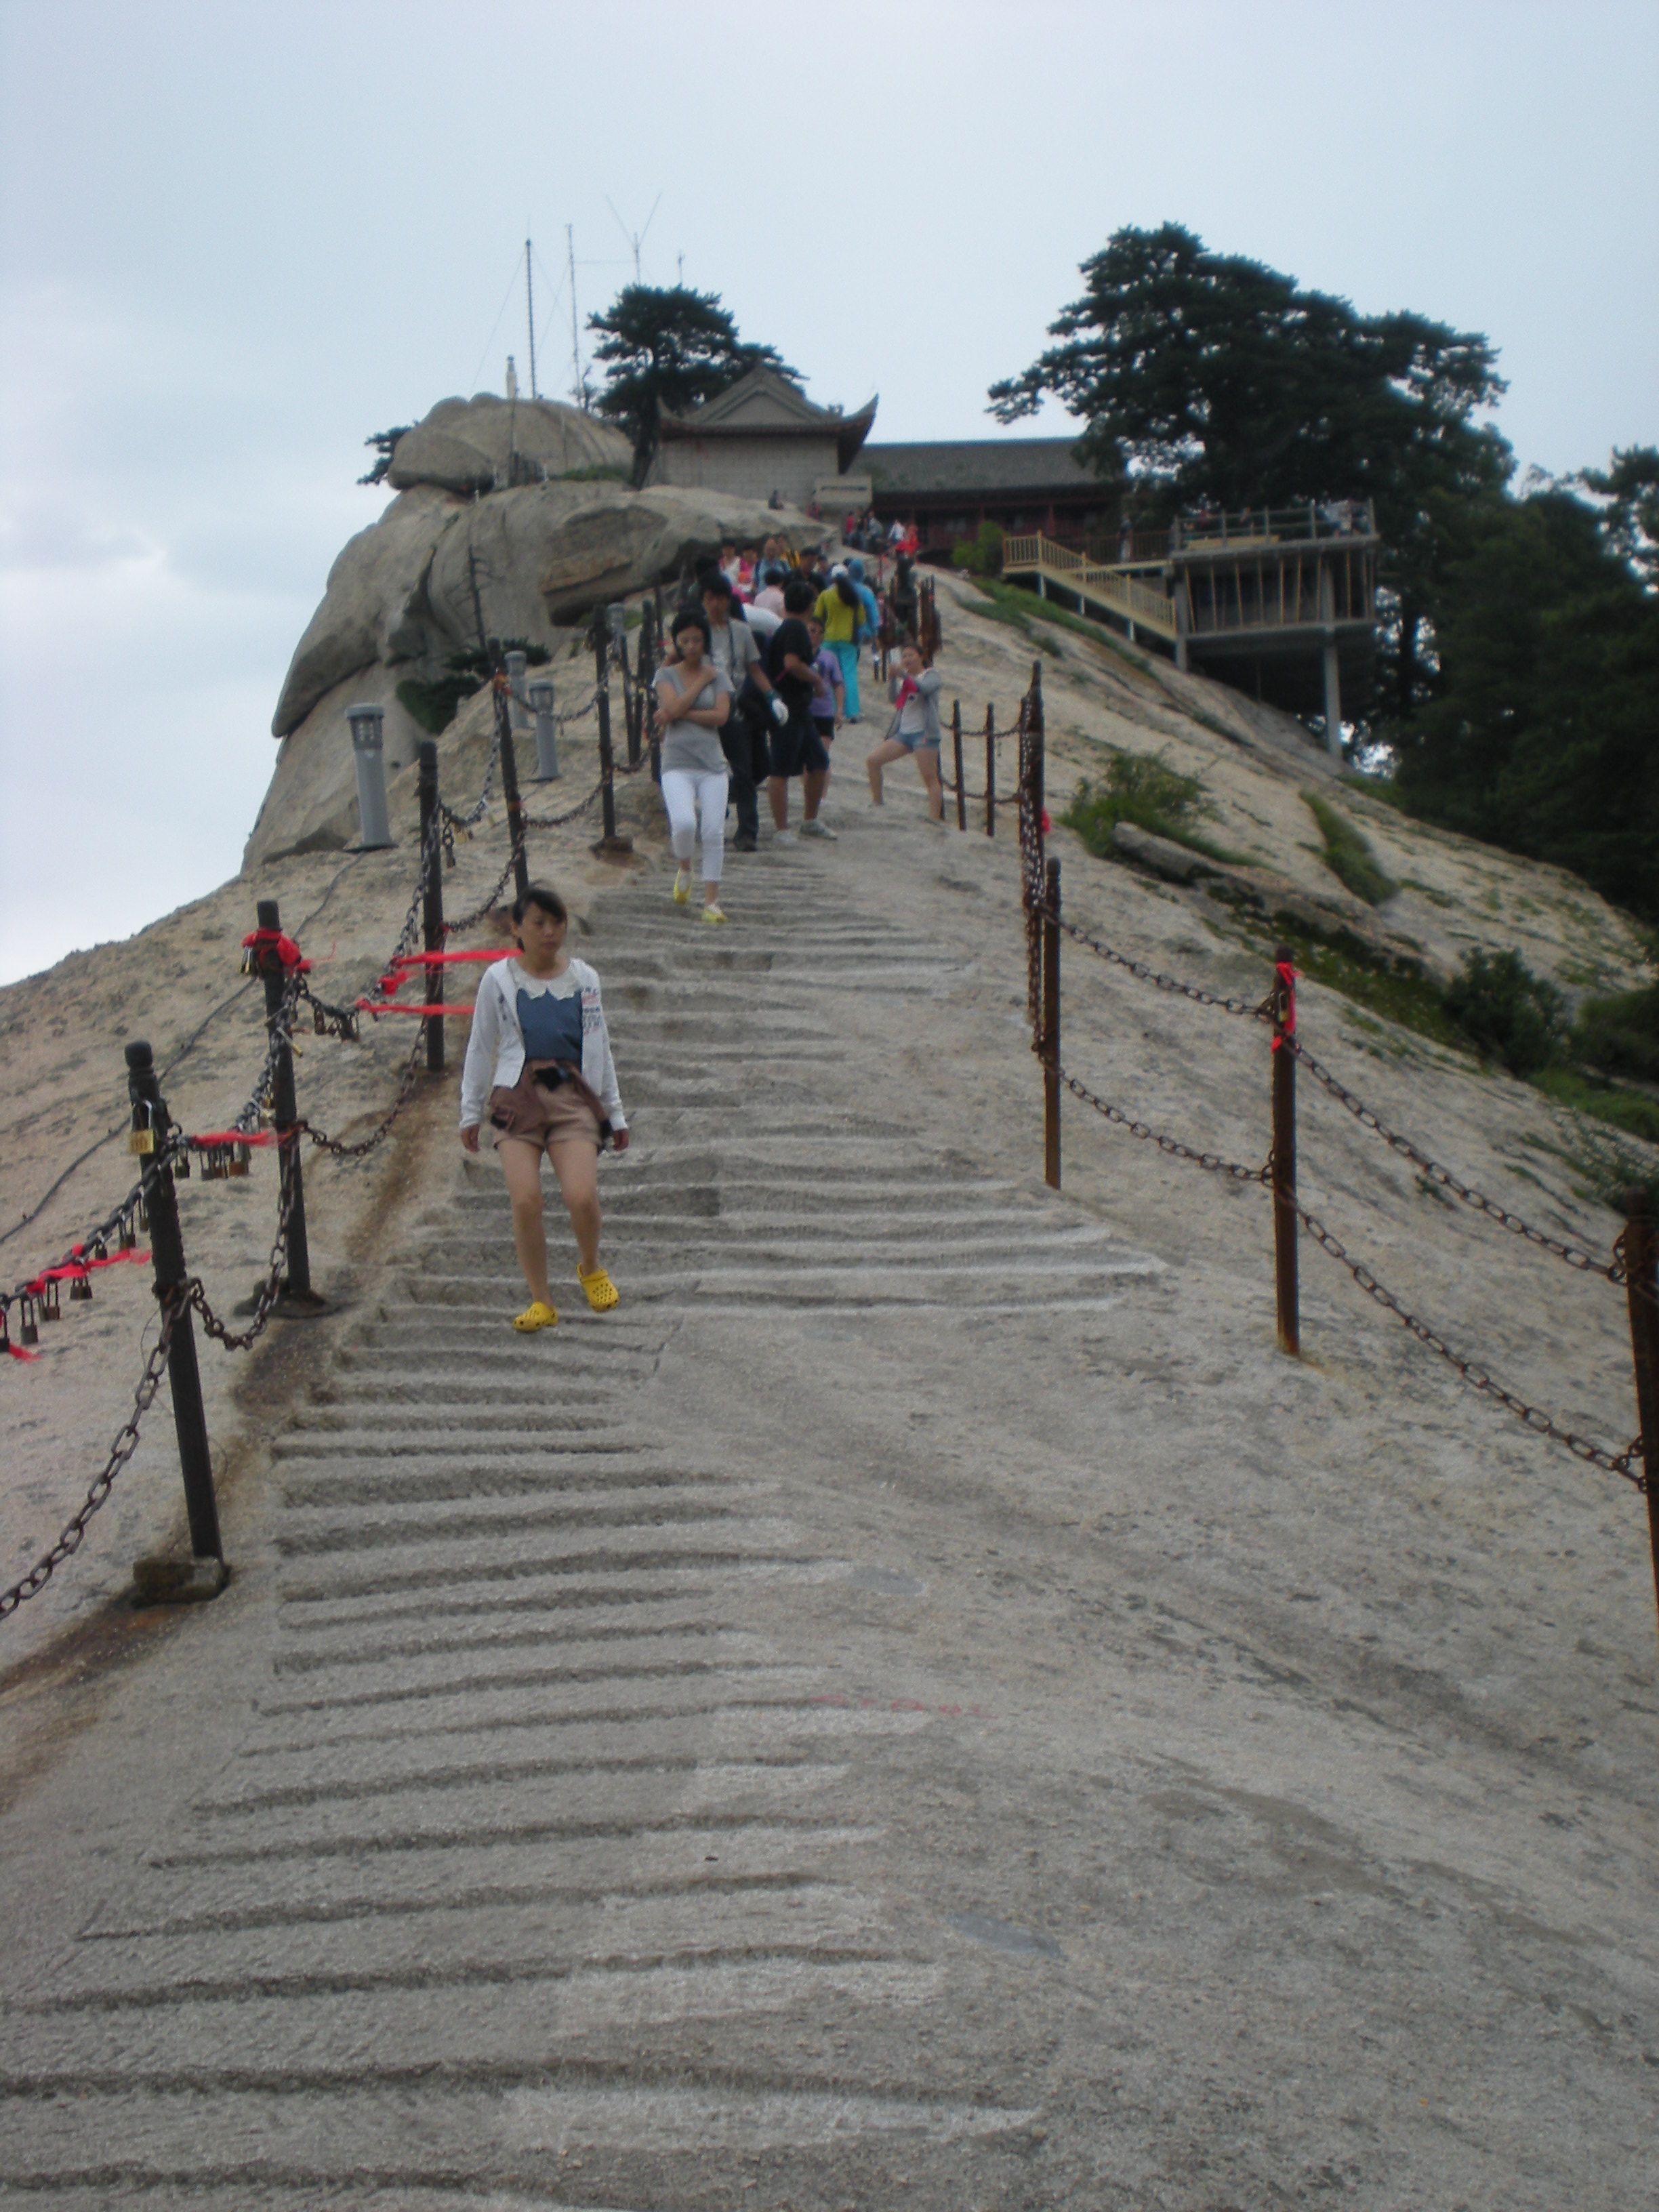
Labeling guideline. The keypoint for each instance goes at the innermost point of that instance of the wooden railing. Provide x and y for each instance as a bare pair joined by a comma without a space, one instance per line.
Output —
1204,532
1091,580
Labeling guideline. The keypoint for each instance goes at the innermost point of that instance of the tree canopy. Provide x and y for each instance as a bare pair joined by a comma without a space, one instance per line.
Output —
1207,376
668,348
1541,733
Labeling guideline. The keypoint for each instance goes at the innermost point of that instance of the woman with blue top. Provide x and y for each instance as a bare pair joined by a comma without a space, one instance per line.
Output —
539,1060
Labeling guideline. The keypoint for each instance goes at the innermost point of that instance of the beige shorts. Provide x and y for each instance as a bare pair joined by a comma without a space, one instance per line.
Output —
542,1116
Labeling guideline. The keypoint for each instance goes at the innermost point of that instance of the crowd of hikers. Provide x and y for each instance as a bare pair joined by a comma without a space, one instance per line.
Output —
760,670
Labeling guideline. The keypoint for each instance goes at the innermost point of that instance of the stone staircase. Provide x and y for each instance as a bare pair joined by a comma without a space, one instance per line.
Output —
552,1863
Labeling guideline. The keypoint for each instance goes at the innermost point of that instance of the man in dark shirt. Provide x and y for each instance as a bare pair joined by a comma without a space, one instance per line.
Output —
797,748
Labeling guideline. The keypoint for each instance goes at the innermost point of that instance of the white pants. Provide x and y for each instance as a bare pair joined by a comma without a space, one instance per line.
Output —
695,798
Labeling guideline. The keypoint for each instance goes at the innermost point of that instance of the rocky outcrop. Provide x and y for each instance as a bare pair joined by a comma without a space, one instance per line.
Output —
368,610
468,544
487,444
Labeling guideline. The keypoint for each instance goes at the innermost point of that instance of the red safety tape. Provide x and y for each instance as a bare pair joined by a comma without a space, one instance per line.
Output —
1286,975
234,1137
265,940
18,1353
376,1007
75,1271
439,959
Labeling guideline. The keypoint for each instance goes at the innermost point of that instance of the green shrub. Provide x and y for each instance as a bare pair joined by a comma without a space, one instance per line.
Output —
1507,1012
1348,853
981,556
435,705
1141,788
1621,1035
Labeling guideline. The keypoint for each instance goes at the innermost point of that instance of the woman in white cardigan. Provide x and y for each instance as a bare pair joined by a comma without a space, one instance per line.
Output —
538,1062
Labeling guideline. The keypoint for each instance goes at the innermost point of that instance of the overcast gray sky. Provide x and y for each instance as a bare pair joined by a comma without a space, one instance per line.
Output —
236,238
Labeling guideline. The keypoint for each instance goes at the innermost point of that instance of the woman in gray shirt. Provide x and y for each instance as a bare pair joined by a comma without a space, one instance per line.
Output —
693,702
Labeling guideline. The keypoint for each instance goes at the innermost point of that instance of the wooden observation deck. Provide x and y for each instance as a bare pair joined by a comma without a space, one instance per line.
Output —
1280,602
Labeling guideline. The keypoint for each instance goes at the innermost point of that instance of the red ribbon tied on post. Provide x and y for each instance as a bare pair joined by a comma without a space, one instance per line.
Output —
1286,975
274,940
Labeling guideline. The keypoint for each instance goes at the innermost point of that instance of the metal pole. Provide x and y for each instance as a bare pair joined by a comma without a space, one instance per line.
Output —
432,901
961,780
990,771
1037,746
650,626
510,786
1642,1293
167,1249
1284,1158
607,761
285,1112
1051,1026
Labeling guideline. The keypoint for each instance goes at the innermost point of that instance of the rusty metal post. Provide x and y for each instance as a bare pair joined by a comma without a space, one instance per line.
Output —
432,901
1642,1293
297,1293
961,781
650,647
510,784
609,843
990,771
167,1247
1051,1026
1038,743
1284,1155
607,761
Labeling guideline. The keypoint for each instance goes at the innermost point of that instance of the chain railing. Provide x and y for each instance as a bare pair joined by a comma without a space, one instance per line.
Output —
1635,1260
227,1151
1476,1376
121,1451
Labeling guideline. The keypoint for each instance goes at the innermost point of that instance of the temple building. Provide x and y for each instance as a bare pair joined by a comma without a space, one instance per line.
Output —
764,438
948,488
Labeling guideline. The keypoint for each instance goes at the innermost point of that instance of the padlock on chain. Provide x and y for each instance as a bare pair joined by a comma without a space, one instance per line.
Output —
50,1307
127,1240
80,1290
237,1164
28,1332
142,1141
140,1216
181,1165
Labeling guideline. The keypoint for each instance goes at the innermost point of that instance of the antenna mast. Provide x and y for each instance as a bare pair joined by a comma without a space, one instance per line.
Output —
579,390
530,316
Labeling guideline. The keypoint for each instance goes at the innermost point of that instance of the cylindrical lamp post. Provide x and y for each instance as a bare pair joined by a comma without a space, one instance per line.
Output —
547,735
369,745
516,665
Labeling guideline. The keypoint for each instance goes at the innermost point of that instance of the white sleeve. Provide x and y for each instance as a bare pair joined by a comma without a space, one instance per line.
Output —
478,1070
604,1068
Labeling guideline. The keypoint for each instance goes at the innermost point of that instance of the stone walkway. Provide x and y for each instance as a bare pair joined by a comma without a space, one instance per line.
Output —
773,1744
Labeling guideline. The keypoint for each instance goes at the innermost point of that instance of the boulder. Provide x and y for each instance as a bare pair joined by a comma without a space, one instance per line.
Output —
469,445
367,602
311,803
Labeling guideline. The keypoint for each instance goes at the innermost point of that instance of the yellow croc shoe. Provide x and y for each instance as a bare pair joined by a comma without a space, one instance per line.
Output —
682,887
602,1292
535,1315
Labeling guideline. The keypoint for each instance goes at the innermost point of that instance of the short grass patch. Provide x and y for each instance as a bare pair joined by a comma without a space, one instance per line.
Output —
1143,789
1348,853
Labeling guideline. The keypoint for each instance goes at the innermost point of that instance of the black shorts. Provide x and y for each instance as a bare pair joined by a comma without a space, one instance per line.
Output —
797,748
